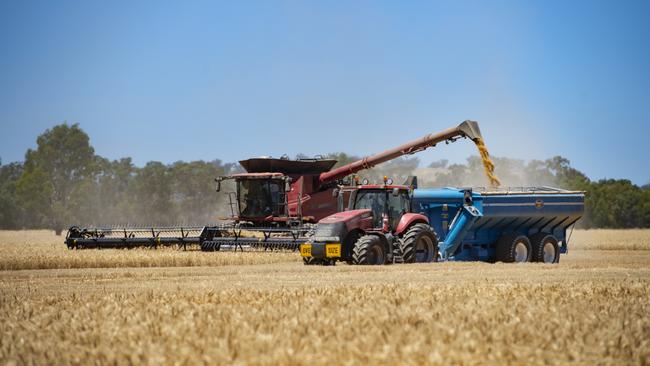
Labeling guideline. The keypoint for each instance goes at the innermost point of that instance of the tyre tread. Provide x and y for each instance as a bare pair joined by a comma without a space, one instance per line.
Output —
408,244
362,247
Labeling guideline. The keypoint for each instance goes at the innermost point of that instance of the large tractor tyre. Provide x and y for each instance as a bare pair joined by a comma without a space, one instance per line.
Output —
368,250
545,248
419,244
514,249
348,246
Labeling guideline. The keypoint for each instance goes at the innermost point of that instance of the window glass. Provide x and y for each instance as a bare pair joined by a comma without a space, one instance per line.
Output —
374,199
259,197
397,206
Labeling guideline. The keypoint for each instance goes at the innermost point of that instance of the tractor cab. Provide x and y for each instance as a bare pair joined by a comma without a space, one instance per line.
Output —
387,203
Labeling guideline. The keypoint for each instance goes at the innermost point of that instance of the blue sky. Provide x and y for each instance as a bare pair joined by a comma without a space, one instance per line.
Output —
172,80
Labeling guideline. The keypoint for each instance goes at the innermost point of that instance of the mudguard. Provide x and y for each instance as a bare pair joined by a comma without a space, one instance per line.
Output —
409,219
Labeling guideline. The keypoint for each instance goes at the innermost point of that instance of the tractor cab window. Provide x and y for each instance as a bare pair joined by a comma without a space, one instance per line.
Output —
375,200
397,206
259,197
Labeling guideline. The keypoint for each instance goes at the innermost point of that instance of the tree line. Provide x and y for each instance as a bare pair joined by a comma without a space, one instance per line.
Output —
63,181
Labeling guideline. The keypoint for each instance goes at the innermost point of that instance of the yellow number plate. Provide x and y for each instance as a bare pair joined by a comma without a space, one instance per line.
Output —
305,250
333,250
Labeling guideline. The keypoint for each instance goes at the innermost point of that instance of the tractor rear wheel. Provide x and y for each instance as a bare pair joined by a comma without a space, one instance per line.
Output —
419,244
545,248
368,250
513,249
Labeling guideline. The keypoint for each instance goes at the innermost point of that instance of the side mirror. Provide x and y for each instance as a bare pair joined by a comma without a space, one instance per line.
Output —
218,184
339,199
287,186
395,192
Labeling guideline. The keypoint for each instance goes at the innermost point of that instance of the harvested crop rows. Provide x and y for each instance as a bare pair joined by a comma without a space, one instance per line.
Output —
591,308
43,250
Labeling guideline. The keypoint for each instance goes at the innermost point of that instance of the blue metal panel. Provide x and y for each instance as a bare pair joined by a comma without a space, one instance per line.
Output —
460,228
525,213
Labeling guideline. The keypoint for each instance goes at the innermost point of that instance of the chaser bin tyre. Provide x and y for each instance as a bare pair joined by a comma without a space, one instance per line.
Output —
514,249
545,248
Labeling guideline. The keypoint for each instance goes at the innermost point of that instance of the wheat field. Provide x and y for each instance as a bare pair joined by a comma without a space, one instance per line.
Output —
41,249
174,307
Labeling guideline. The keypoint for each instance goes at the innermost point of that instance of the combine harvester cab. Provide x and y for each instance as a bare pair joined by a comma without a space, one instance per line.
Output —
513,225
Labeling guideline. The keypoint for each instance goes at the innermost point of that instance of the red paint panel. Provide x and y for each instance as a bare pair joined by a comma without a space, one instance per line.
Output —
408,219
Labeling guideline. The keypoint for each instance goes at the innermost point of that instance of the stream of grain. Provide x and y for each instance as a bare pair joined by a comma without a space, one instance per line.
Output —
488,165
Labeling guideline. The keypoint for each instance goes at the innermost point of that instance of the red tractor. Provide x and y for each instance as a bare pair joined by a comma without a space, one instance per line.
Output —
378,227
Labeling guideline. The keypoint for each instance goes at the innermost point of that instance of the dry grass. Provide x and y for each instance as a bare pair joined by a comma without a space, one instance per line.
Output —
288,313
41,249
601,239
449,324
592,308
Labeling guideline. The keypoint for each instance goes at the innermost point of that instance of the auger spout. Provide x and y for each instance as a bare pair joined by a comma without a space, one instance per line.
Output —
467,129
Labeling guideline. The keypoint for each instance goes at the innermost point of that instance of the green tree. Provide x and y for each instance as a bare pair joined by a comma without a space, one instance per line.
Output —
616,203
113,200
153,191
53,174
10,209
194,194
565,175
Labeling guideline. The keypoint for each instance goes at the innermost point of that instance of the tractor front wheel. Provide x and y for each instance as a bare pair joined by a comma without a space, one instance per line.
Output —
368,250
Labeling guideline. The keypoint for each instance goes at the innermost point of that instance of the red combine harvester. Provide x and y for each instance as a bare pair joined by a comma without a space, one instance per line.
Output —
274,205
